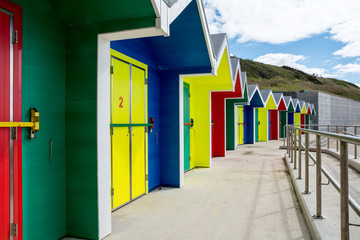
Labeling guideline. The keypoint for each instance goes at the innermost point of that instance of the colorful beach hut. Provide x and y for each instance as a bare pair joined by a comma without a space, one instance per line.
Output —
262,115
297,112
275,116
250,117
303,112
200,88
231,114
307,116
287,116
218,137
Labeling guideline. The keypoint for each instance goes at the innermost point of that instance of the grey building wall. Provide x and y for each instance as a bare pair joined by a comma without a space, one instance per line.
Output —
330,109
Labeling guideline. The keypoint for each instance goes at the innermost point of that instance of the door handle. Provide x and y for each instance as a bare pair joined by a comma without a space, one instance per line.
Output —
34,123
51,149
190,124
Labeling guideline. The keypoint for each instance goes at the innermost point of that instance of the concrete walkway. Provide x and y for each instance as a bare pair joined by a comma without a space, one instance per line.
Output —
247,195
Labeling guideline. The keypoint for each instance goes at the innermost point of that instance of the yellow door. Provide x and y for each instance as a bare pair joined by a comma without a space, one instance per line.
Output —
138,132
297,121
240,125
263,126
120,139
128,125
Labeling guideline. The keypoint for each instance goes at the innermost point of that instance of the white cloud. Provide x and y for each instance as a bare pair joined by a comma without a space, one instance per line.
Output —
348,68
279,21
357,84
281,59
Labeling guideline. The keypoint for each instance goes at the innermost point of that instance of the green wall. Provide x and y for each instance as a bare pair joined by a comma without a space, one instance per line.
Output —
81,139
43,87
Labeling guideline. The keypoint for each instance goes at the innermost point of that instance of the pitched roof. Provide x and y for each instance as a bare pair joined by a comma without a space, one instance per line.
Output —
235,66
243,80
252,88
217,42
277,97
288,100
265,94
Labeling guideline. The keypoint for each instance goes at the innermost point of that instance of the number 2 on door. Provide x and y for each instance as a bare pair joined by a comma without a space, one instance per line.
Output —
121,102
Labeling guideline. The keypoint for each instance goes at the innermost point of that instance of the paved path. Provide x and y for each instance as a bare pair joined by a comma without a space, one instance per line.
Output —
246,195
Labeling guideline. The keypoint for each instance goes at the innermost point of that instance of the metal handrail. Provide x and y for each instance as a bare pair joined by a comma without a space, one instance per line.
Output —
353,204
351,134
328,130
336,136
130,125
343,187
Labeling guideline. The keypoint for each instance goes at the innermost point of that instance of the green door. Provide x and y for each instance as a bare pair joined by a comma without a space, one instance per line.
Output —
282,123
256,125
186,127
307,121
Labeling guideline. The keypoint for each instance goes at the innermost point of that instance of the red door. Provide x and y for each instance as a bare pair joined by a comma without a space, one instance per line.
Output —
4,132
10,110
274,126
302,120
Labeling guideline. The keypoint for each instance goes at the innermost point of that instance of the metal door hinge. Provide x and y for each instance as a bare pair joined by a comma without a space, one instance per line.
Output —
112,192
146,81
189,158
189,95
111,69
146,129
146,177
13,229
111,131
13,133
15,37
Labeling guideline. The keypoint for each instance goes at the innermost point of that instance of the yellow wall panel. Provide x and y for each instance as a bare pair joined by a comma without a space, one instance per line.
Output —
303,110
271,105
297,118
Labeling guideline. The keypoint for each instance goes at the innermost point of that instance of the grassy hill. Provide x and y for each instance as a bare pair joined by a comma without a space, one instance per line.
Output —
289,79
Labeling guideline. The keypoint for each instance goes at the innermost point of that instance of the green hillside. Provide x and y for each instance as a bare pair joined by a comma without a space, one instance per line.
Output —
289,79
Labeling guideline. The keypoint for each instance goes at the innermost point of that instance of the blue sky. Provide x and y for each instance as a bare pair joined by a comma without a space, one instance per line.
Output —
315,36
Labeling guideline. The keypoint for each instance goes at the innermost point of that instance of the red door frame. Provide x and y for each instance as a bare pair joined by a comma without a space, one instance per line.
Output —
17,153
274,127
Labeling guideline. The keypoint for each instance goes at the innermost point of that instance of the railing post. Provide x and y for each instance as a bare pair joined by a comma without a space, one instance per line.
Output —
299,173
295,144
291,145
284,134
318,178
355,146
306,163
344,191
328,139
337,141
288,140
